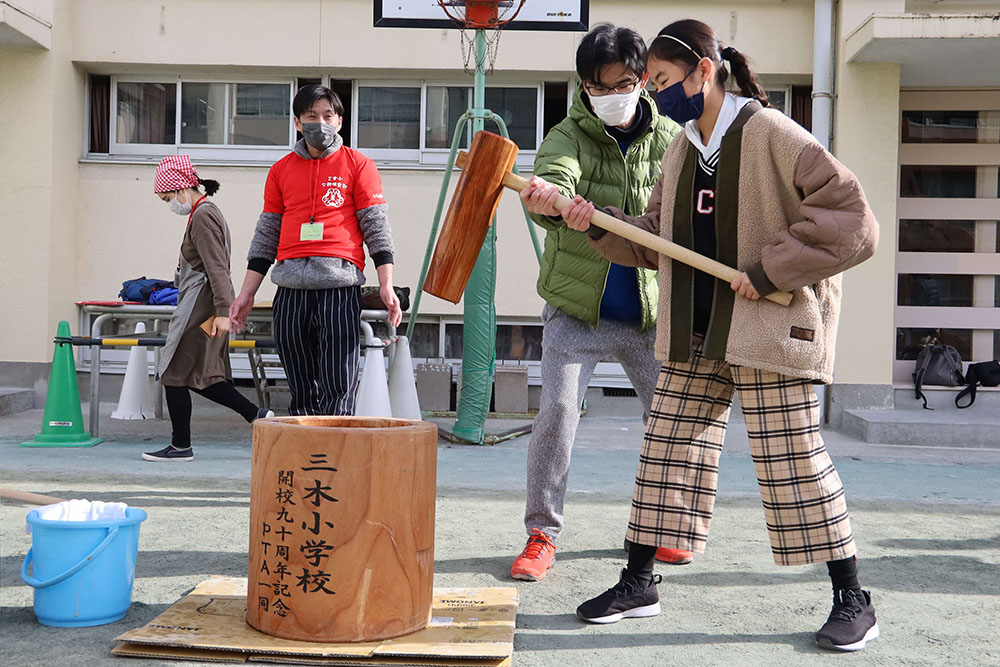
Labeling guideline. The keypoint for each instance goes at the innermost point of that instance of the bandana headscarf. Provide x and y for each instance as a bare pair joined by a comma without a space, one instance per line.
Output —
175,172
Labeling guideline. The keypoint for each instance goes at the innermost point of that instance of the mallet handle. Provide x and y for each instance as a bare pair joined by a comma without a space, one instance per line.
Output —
648,240
28,497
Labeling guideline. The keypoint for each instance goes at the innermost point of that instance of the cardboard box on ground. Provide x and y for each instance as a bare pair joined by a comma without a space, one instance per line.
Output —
469,627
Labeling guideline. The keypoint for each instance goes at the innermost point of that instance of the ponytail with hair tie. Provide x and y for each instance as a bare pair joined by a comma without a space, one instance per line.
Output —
746,80
211,187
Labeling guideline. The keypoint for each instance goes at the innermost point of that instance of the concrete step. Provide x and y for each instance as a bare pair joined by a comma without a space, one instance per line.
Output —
978,427
14,400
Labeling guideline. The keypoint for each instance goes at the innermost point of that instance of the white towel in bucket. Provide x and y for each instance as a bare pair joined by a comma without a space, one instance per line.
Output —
80,510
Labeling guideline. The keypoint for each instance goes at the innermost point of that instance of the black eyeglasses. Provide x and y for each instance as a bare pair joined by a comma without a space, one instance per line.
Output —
599,91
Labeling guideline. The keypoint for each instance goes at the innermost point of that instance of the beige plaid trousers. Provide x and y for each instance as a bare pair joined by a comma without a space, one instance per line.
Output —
677,479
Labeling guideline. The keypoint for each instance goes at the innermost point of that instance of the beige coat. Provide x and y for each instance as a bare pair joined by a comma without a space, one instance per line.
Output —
800,220
192,358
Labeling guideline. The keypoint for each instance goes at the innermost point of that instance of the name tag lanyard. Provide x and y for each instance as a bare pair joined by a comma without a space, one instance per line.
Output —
312,230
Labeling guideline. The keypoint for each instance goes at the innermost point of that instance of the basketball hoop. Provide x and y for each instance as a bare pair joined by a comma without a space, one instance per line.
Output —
486,15
481,14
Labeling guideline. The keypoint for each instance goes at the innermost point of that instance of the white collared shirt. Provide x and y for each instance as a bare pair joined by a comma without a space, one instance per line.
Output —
731,107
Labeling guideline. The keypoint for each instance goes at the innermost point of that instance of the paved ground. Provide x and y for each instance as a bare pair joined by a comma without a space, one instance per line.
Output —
926,521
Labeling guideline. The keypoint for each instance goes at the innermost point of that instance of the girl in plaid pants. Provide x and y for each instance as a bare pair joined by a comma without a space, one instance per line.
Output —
747,186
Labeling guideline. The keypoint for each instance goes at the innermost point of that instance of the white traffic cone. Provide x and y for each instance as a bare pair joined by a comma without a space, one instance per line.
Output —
402,385
136,399
373,392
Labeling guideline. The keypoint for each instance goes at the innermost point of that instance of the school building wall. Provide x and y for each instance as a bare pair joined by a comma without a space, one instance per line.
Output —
76,228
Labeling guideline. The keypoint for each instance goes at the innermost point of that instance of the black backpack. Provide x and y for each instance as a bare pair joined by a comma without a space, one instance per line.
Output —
986,373
937,364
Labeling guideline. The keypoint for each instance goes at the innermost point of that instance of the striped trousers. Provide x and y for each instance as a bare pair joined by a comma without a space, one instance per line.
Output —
677,479
318,339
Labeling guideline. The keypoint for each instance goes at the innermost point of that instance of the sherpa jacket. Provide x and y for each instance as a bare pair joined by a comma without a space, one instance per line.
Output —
789,214
579,157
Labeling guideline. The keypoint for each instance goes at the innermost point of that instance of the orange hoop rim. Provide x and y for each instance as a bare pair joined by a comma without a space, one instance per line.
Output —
486,16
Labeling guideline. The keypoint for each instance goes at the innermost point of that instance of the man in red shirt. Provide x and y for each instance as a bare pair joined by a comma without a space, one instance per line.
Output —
321,202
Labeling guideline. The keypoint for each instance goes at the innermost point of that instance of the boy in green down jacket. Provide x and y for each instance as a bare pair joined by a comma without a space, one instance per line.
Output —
608,150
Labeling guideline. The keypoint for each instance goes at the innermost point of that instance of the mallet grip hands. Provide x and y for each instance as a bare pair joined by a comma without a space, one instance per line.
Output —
640,236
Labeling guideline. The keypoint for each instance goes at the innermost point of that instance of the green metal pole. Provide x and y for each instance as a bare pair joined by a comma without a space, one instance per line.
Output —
429,252
531,225
480,324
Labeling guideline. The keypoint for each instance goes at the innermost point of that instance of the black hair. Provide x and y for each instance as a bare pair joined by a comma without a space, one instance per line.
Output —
311,93
608,45
697,40
211,187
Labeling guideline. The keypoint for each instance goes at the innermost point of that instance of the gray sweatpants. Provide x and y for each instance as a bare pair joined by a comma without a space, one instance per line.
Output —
571,350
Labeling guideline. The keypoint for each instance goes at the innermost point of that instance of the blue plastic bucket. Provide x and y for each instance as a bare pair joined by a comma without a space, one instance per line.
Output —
82,571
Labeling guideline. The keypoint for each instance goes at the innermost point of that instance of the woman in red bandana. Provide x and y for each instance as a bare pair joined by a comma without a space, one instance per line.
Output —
196,355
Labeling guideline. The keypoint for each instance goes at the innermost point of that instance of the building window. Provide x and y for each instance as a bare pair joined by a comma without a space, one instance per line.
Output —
937,235
910,341
416,125
222,120
514,342
445,105
778,98
943,181
519,342
951,127
388,118
519,109
948,254
928,289
146,113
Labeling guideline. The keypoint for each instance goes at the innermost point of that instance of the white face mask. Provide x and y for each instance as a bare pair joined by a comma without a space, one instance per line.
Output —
617,108
178,207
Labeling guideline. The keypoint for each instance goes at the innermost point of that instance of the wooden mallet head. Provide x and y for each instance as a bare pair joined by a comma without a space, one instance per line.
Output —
470,215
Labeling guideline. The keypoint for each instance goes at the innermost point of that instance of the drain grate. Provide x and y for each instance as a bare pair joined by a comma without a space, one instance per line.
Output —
618,391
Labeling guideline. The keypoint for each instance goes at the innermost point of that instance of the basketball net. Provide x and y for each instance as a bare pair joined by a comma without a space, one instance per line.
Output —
490,16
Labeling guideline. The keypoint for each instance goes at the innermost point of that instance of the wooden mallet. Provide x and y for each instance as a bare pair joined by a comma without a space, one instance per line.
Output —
486,170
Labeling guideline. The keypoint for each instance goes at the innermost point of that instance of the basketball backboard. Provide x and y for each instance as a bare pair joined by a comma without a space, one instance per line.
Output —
567,15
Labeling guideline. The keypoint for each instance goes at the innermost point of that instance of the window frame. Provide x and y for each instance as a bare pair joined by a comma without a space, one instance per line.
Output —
786,88
198,152
982,263
387,156
422,156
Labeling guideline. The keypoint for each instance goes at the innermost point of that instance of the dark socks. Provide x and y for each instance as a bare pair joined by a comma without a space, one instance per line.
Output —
179,406
224,393
640,563
844,574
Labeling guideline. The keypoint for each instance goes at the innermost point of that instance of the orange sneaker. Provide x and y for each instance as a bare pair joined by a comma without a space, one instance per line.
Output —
538,556
673,556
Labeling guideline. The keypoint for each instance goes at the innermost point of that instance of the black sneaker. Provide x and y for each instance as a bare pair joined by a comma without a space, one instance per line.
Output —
263,413
625,600
170,453
851,624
